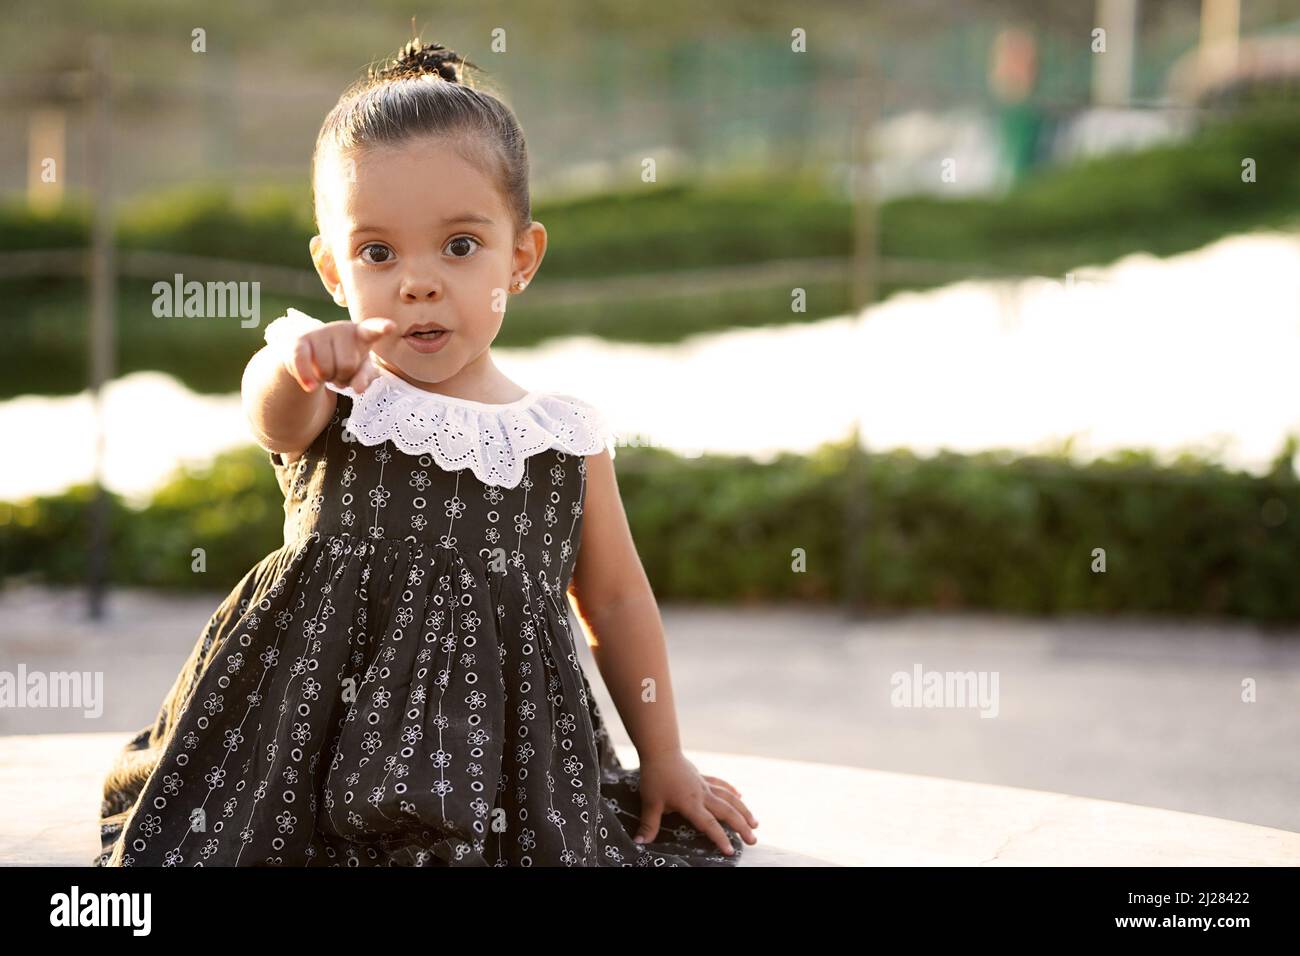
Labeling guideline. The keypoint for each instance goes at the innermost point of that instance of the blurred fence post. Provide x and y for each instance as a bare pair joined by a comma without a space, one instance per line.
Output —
1112,69
102,295
866,253
1220,36
46,142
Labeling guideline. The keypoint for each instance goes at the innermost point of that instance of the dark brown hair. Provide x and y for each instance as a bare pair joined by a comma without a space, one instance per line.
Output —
422,92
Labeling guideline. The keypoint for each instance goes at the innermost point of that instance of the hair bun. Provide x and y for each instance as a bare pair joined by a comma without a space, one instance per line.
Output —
417,58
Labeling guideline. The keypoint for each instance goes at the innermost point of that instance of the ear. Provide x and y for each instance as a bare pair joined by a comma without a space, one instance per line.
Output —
529,251
327,269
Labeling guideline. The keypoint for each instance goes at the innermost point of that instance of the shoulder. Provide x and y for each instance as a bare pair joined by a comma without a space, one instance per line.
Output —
580,426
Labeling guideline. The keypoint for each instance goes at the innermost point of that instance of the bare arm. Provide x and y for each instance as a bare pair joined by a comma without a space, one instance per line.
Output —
623,628
282,414
620,616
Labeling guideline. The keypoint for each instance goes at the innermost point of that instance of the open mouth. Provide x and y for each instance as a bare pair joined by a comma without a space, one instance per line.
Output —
427,342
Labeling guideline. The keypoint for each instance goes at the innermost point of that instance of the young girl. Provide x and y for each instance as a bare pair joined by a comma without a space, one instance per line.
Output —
398,685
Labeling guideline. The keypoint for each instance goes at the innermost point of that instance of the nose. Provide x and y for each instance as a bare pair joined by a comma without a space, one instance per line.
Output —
420,286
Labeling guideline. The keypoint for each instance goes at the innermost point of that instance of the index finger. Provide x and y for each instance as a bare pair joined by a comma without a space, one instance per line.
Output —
374,328
721,782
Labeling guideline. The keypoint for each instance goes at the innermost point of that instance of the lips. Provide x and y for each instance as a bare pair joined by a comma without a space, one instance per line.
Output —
425,327
429,342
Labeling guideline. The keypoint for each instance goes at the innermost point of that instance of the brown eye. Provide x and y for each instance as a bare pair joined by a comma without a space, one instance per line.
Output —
382,253
458,241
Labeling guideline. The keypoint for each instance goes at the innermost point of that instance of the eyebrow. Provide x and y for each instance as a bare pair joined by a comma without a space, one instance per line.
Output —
451,221
468,217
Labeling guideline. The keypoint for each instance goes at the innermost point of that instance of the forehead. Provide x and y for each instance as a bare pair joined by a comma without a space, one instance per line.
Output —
416,182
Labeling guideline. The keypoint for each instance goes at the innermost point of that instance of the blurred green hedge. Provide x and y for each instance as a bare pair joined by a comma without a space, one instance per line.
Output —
988,531
1162,200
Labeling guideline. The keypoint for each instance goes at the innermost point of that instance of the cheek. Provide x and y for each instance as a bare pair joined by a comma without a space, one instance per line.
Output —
492,327
362,283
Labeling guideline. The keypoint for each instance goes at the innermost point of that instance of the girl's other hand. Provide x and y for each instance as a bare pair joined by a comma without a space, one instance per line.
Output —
337,353
671,782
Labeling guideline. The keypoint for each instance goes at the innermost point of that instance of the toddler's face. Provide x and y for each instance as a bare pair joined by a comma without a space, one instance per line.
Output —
418,235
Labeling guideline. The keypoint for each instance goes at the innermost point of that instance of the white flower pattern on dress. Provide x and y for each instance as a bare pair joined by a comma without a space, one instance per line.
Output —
409,695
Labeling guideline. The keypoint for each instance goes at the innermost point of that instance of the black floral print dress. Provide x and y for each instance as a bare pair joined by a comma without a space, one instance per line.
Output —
398,685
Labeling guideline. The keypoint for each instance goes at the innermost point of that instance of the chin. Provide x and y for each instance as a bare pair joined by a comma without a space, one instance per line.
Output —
427,372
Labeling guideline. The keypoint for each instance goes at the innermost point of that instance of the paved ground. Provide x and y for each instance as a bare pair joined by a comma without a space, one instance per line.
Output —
1134,711
863,817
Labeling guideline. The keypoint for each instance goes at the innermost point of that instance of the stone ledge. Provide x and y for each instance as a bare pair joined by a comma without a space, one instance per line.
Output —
809,814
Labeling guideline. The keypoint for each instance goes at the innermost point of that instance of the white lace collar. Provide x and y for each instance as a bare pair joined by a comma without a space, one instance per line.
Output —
491,440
